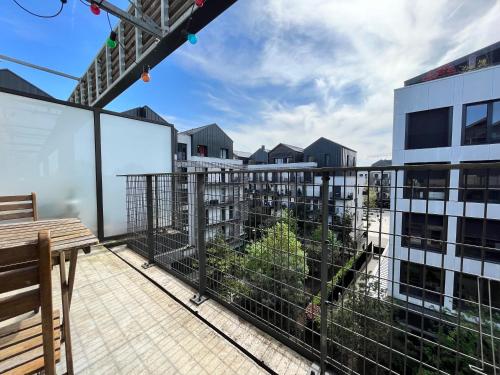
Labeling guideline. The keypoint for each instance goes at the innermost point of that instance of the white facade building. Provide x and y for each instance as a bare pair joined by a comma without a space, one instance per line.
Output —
447,121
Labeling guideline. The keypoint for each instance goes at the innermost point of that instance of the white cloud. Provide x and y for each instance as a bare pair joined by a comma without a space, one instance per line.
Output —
298,70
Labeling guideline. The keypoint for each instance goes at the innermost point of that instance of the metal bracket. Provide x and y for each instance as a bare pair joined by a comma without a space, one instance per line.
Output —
198,299
147,265
146,26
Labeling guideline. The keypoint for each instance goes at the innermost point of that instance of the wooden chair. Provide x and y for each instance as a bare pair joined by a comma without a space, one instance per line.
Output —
33,344
18,207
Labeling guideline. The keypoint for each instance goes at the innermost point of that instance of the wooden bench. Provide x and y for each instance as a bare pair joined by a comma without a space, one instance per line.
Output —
14,207
33,344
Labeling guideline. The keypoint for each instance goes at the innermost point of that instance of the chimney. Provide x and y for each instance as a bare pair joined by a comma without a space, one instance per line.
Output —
262,147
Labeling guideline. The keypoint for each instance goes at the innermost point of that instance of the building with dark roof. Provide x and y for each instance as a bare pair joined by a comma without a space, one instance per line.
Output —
146,113
208,141
261,156
382,163
11,81
285,154
242,155
326,153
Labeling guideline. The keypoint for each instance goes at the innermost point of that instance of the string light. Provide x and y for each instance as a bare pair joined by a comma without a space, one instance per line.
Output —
145,74
111,42
94,8
192,38
199,3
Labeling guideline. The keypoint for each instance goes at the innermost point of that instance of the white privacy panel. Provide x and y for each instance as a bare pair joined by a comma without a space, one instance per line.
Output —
129,147
49,149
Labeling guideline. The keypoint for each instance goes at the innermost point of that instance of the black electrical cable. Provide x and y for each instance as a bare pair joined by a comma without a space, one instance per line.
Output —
41,15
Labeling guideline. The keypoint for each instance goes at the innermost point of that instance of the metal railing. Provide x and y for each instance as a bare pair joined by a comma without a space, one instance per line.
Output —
359,287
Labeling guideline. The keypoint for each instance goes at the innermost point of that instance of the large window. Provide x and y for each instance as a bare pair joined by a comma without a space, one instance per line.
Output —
421,281
480,239
481,123
426,184
181,151
224,153
480,185
419,232
466,288
428,129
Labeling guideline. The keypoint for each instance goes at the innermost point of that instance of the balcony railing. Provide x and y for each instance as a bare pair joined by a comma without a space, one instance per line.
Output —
408,286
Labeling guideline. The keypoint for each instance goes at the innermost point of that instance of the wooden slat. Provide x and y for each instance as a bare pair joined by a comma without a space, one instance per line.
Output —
22,346
19,215
19,304
18,278
15,198
18,254
33,365
16,206
25,324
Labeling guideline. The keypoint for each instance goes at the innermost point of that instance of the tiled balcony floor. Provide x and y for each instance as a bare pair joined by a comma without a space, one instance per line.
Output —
123,324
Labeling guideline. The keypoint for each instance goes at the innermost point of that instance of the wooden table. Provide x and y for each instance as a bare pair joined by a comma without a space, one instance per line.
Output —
67,237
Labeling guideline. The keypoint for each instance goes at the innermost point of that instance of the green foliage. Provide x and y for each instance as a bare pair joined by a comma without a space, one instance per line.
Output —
275,267
337,277
371,199
313,250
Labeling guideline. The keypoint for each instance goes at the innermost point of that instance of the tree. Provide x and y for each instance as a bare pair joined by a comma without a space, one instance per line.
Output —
363,333
313,250
371,199
275,270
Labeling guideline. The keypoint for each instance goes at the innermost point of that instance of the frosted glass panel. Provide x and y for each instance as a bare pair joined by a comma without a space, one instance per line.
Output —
49,149
129,147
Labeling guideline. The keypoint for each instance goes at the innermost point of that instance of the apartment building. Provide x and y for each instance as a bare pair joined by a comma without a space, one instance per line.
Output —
209,149
380,181
450,115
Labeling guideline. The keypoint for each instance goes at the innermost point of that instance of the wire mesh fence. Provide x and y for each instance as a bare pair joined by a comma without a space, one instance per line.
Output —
392,270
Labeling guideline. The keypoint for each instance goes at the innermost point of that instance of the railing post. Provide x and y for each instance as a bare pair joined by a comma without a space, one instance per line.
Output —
324,269
200,242
150,223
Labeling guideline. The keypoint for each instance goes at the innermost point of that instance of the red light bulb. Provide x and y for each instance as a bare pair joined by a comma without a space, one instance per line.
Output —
94,8
145,77
199,3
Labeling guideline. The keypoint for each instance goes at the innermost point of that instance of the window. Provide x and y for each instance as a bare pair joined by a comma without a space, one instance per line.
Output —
224,153
428,129
481,123
223,214
207,218
476,119
421,281
181,151
278,161
426,184
417,235
466,296
202,150
310,158
347,164
480,185
475,245
353,161
231,212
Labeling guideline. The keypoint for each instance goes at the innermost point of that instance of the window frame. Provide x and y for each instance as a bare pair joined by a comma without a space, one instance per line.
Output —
405,240
421,291
450,128
461,245
489,118
446,188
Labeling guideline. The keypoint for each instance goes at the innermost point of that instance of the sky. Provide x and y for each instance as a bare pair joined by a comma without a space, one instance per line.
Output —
270,71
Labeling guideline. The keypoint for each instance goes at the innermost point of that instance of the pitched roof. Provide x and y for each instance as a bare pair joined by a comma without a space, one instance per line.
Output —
382,163
329,140
196,130
12,81
291,147
145,112
242,154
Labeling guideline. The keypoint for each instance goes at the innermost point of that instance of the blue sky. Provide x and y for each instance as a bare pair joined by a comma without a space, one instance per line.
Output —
290,71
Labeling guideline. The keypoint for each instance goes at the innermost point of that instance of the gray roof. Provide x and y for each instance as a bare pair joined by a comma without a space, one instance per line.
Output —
335,143
11,81
242,154
382,163
292,147
146,113
196,130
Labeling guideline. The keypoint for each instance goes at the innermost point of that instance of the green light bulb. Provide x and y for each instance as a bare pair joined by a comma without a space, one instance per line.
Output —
111,43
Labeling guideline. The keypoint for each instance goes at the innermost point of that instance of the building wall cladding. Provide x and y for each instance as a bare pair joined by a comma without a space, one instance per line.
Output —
282,151
214,138
145,113
337,153
261,156
455,92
